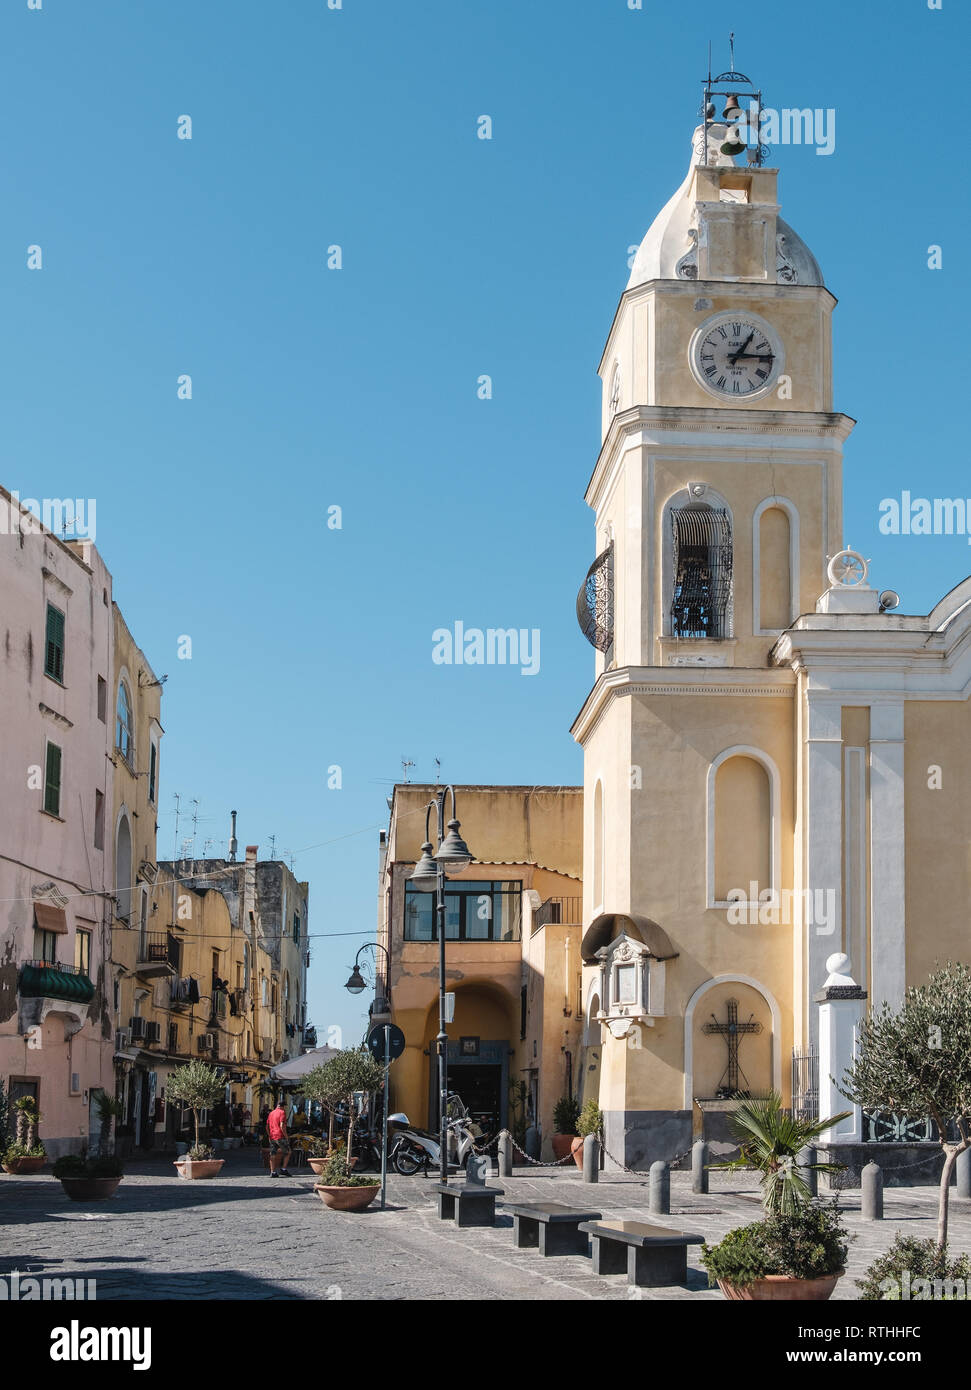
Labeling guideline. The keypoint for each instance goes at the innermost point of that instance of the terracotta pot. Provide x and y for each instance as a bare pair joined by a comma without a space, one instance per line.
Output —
562,1145
317,1164
347,1198
24,1165
90,1189
783,1288
576,1149
199,1167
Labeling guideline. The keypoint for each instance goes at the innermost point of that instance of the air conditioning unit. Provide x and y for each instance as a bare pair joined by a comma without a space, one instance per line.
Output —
153,1032
205,1042
122,1038
137,1026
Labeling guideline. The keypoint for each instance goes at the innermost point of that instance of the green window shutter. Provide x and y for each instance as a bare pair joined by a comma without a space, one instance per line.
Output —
54,655
52,785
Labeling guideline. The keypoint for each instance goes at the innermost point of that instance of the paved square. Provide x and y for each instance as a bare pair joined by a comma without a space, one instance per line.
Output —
245,1235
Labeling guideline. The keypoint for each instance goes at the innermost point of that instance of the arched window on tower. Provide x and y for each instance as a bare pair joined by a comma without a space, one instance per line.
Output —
701,599
123,867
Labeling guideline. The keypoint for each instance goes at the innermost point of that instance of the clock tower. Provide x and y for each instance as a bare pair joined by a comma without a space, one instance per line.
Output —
717,504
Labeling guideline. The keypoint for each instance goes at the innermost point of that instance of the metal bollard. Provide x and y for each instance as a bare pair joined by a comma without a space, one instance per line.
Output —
699,1166
505,1155
871,1187
810,1177
963,1167
660,1188
591,1158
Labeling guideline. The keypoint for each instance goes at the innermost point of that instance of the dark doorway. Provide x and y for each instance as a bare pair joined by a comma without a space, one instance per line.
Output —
479,1085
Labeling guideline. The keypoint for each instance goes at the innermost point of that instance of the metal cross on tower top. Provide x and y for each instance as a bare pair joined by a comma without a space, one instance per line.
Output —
732,1032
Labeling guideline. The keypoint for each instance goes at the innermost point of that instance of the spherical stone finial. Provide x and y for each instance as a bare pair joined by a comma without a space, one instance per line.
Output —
838,964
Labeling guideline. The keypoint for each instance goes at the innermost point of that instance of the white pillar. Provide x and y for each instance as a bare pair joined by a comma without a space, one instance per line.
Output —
888,971
824,843
840,1010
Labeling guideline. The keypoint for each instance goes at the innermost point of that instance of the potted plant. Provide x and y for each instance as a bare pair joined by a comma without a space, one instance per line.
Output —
798,1250
26,1154
797,1255
346,1074
88,1179
566,1114
109,1108
199,1087
318,1152
916,1269
591,1121
342,1190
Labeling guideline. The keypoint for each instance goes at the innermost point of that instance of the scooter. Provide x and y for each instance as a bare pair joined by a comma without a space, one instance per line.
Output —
413,1148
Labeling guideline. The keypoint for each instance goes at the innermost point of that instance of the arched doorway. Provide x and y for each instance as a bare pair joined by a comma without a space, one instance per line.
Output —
478,1054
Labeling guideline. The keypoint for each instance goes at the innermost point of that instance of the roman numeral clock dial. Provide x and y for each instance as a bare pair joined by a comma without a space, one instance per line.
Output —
736,356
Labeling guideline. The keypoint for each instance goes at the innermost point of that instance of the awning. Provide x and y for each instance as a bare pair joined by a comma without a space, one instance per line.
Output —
47,982
49,918
297,1067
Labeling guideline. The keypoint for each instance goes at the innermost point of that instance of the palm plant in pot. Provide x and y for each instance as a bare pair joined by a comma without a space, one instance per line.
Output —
26,1154
798,1250
345,1076
198,1086
566,1114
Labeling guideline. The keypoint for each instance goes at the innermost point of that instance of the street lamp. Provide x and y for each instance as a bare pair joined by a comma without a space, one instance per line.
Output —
429,877
357,983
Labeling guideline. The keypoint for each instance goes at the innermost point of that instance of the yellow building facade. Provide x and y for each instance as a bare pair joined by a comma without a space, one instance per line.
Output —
512,954
758,736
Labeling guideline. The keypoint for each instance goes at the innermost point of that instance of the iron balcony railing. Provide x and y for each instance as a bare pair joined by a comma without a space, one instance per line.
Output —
559,912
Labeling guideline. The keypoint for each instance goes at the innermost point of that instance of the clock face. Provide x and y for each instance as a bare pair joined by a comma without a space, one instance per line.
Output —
736,356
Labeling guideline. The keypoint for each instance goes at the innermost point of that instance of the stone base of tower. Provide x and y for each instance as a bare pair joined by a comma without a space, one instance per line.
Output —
638,1138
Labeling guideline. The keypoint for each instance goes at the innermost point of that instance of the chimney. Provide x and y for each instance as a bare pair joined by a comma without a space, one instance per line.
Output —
233,843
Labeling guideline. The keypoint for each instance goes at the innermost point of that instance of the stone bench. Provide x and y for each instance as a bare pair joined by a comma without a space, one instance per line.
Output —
652,1256
469,1203
553,1227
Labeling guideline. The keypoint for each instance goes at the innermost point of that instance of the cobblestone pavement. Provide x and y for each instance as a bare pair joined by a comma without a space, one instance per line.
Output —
244,1235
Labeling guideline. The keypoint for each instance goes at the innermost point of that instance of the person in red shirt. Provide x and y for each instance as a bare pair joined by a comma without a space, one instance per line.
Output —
276,1129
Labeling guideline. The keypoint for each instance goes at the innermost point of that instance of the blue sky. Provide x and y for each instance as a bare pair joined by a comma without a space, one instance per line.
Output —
357,388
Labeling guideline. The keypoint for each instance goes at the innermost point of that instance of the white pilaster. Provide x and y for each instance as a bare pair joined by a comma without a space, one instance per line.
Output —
887,913
824,843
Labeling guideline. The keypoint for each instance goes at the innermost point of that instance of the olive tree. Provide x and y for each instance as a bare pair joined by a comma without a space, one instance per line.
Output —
339,1079
198,1086
916,1062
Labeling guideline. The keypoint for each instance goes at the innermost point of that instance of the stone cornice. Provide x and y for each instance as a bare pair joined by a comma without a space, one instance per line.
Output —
827,428
720,681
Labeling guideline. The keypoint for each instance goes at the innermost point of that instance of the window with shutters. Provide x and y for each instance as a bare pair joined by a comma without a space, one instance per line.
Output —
701,602
52,781
82,952
152,771
54,649
99,820
102,699
123,724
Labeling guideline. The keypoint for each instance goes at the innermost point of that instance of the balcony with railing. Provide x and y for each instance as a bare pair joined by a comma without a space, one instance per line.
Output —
44,979
159,953
564,912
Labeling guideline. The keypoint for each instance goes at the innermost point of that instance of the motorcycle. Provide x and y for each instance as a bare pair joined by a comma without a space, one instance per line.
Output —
413,1148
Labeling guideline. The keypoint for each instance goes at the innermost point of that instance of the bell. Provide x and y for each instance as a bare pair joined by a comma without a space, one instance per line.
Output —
733,145
710,111
732,109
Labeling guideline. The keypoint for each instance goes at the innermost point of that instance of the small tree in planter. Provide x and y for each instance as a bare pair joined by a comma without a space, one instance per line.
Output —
342,1078
198,1086
3,1119
917,1063
322,1086
799,1249
109,1108
566,1113
26,1154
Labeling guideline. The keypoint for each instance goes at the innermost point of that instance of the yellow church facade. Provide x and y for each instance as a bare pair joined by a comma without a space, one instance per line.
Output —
760,737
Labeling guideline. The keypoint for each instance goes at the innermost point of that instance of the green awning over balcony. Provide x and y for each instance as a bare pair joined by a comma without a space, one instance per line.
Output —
39,982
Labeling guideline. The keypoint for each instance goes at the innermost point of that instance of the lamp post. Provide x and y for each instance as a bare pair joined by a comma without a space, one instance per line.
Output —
357,983
429,877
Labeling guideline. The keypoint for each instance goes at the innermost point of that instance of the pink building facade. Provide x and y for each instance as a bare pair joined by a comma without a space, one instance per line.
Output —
56,819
